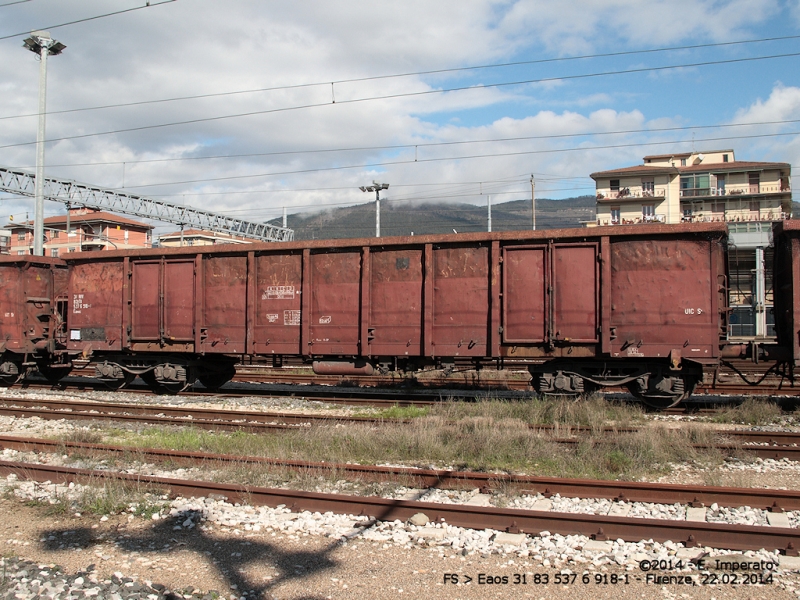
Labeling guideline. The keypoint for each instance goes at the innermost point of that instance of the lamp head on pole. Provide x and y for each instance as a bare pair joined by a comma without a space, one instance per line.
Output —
40,40
375,187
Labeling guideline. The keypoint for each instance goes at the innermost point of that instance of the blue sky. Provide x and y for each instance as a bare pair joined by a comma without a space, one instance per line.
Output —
309,158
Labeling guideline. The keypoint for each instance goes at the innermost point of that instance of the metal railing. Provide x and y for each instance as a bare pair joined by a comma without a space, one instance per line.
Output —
735,190
657,218
624,193
766,216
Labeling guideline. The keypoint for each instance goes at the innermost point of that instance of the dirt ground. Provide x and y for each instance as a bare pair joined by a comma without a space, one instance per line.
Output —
267,565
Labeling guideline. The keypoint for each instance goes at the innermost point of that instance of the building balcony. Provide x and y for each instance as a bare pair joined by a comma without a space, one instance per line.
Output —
765,216
630,194
657,218
736,190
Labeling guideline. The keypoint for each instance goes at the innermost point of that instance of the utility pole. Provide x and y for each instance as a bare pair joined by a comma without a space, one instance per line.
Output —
533,202
489,211
376,187
42,44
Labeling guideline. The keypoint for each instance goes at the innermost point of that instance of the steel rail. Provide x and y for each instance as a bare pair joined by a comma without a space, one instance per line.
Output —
189,414
254,421
231,425
733,537
623,491
248,416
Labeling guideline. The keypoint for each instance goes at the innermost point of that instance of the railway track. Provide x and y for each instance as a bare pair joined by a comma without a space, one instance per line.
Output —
765,444
623,491
600,527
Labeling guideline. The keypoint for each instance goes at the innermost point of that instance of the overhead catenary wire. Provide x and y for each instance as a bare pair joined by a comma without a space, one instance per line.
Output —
405,95
413,74
426,144
86,19
463,157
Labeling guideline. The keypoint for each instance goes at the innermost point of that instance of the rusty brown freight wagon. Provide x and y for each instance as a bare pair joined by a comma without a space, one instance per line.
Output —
32,310
641,306
786,277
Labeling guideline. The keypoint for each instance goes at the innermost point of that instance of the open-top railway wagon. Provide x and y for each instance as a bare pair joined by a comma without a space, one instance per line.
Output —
639,306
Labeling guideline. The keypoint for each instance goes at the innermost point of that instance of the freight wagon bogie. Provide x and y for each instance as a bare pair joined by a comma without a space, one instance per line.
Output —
657,384
165,374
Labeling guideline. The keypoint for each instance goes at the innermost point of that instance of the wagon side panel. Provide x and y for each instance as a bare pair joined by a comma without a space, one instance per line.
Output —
12,301
224,322
95,303
334,319
664,298
460,300
395,308
279,280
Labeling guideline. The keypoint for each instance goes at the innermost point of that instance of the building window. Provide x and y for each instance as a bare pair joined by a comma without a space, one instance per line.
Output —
755,209
724,158
720,185
71,249
648,187
614,185
54,234
615,215
648,212
687,212
21,236
683,162
754,179
54,252
695,185
20,252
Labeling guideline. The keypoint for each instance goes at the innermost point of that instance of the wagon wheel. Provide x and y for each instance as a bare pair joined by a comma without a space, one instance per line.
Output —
213,379
656,401
116,384
54,374
663,400
160,388
9,380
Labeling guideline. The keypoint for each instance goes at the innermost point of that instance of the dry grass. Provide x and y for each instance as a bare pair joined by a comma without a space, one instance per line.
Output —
482,436
752,411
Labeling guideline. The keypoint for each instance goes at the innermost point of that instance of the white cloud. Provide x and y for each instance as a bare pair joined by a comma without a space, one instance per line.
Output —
204,47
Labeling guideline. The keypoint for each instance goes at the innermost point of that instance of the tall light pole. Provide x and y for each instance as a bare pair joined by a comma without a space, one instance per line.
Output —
533,202
42,44
376,187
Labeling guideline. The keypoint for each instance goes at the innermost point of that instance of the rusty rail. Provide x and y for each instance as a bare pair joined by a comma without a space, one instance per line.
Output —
734,537
256,421
624,491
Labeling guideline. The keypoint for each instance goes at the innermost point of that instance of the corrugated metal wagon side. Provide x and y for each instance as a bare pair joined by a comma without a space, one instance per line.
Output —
32,308
639,306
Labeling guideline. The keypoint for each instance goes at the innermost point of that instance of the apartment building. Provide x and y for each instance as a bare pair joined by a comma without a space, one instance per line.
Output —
702,187
82,230
199,237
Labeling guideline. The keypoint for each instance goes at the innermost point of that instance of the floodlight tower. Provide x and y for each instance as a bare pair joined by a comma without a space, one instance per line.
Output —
376,187
42,44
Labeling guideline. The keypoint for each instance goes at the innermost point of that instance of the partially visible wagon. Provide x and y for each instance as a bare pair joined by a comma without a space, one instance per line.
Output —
33,297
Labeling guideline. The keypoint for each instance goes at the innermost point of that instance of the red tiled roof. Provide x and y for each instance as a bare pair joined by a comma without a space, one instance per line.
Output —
188,232
683,154
737,165
94,217
638,169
